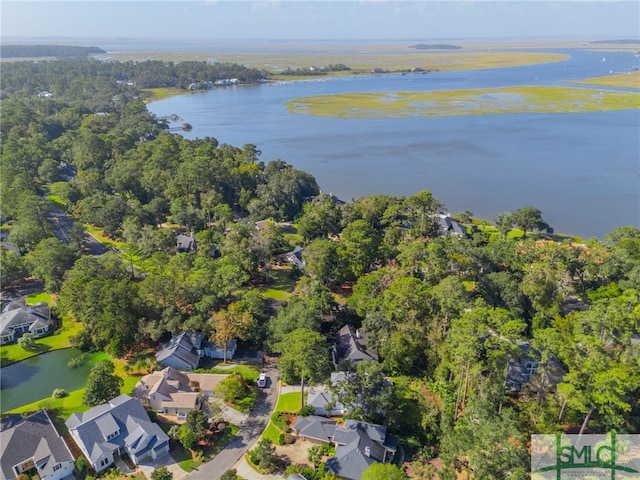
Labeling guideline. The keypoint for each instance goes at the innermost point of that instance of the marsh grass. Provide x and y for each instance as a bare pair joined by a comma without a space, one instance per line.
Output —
394,62
525,99
623,80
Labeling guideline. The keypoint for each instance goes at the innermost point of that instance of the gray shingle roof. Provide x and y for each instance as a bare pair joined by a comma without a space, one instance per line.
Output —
127,414
313,426
359,444
14,315
32,437
352,346
181,347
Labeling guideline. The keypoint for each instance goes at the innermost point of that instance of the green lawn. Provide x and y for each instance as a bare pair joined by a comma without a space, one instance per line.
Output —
34,298
98,233
272,433
289,402
57,200
59,339
281,284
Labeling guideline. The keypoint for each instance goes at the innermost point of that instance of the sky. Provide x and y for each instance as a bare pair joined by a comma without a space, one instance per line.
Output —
339,19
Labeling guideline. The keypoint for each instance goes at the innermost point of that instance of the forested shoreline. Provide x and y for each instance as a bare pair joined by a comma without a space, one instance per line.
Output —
447,315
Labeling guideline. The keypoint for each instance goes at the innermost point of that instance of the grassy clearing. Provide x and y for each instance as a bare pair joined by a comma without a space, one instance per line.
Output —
624,80
289,402
57,200
281,284
34,298
155,94
98,233
60,339
526,99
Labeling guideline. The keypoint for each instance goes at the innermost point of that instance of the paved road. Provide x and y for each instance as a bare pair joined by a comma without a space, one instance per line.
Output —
61,225
248,433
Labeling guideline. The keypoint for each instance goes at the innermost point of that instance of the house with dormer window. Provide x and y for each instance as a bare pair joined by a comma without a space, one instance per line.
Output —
119,426
32,445
17,318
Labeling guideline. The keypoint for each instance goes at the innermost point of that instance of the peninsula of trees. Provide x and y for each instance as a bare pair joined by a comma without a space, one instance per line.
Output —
448,311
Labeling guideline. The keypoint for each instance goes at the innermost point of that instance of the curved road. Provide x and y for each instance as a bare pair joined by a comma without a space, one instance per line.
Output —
248,433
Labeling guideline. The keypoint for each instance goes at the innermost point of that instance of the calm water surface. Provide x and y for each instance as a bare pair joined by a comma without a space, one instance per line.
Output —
580,169
37,377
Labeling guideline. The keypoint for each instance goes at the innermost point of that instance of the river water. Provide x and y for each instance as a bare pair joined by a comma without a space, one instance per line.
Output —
581,169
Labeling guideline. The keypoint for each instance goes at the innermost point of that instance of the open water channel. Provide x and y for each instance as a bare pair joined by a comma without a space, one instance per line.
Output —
581,169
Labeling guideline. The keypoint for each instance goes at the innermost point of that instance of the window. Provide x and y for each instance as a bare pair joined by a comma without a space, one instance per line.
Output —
104,462
57,466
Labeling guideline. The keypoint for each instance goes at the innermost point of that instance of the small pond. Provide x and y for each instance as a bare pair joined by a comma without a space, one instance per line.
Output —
37,377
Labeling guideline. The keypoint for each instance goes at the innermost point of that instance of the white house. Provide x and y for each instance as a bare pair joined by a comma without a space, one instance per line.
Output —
17,318
32,444
119,426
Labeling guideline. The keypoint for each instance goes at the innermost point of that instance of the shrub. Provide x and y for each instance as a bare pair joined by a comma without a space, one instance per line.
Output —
231,474
161,473
59,393
281,438
264,456
76,362
233,388
307,410
82,466
26,341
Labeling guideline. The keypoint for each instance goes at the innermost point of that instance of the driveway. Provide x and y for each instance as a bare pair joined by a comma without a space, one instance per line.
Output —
249,432
148,466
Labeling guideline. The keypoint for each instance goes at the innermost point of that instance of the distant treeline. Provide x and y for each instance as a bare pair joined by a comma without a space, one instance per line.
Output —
20,51
302,71
626,40
71,77
435,46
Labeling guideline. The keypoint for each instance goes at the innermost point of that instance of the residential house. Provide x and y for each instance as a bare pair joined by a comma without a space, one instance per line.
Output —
325,401
17,318
182,351
351,346
114,428
523,367
185,243
176,393
33,444
295,257
185,350
315,429
358,444
449,227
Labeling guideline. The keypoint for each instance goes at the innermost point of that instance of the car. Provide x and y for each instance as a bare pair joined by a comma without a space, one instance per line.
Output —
262,380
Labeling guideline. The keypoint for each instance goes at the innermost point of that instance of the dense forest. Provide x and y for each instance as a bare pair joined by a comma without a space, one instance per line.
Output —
449,316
